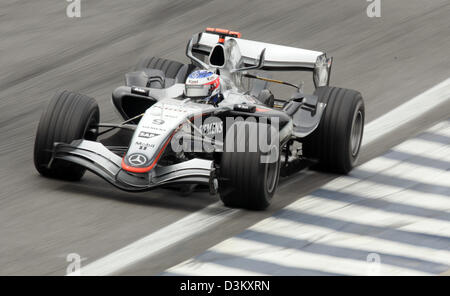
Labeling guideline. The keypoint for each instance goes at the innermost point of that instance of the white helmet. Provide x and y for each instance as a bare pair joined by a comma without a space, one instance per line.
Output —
204,85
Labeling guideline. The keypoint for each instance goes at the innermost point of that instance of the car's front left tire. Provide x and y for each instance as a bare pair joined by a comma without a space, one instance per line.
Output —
249,178
69,116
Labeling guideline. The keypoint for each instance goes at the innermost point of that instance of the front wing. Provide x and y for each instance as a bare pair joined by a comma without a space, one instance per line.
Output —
98,159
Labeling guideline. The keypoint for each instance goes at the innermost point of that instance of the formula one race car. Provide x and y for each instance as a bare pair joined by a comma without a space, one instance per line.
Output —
212,122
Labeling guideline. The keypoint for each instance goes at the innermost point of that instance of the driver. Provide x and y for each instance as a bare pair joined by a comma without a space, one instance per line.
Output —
203,86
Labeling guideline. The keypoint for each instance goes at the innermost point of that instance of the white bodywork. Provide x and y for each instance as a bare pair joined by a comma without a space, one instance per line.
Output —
162,119
171,111
277,56
157,127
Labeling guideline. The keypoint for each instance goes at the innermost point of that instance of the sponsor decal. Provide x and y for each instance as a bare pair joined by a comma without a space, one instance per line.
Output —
147,135
170,116
244,108
139,91
173,107
155,128
144,146
137,159
200,74
158,121
212,128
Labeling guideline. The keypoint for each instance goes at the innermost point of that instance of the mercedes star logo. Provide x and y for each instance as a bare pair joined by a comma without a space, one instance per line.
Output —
137,159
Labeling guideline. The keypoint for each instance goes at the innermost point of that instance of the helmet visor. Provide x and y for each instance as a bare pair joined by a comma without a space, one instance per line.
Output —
193,91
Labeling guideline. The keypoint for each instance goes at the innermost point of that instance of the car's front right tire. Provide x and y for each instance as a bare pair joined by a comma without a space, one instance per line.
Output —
69,116
337,140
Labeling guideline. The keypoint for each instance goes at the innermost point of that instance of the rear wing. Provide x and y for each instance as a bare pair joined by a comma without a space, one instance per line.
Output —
276,57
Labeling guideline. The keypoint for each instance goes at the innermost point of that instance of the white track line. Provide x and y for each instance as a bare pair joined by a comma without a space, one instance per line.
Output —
188,226
203,220
407,112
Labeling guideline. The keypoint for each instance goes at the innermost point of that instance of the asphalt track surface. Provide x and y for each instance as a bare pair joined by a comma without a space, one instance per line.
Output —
389,59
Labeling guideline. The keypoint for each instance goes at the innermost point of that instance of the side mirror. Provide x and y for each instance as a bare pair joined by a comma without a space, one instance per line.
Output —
258,66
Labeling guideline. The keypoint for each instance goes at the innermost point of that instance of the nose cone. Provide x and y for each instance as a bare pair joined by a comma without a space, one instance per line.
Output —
142,163
153,134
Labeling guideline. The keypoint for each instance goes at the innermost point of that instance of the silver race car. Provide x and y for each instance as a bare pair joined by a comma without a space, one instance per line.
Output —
212,122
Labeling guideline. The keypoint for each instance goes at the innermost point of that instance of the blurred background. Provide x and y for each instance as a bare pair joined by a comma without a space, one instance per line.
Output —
389,59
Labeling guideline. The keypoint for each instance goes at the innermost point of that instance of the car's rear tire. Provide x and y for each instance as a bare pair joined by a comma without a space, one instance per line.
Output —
337,140
69,116
248,179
